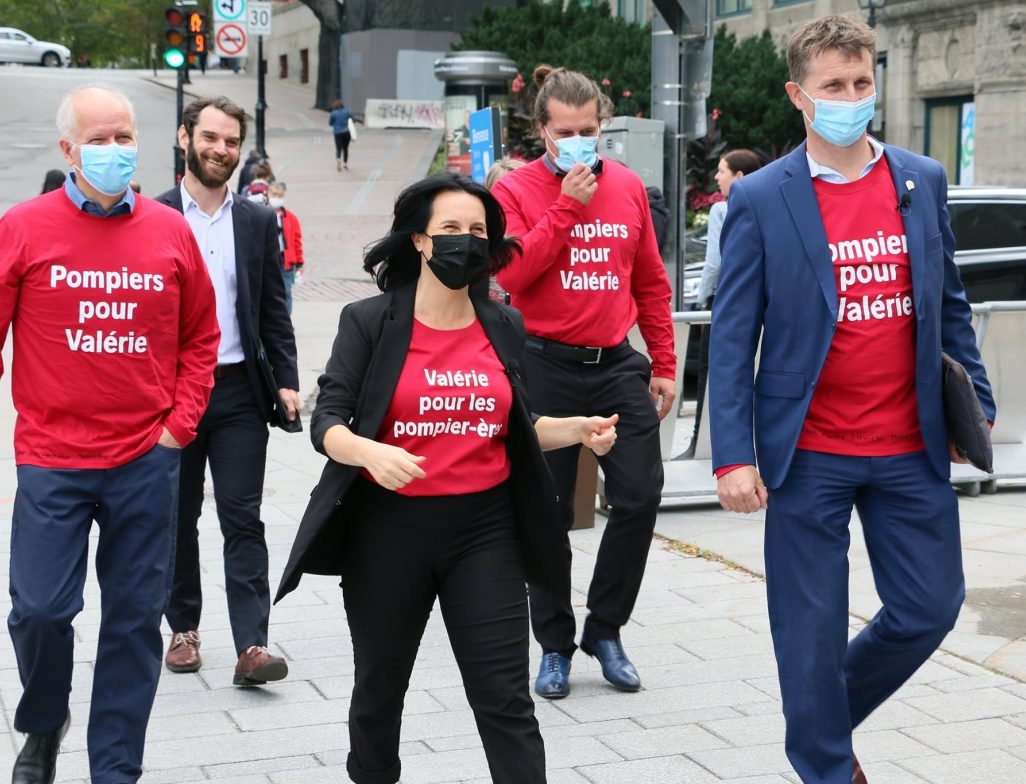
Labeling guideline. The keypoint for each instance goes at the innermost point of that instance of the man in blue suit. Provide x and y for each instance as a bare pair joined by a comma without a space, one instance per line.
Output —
840,257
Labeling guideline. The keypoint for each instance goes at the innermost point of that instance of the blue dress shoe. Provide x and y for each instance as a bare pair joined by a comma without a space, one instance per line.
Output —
616,667
553,677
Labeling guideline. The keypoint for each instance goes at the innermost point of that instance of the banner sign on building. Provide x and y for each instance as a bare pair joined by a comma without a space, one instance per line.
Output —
967,145
485,141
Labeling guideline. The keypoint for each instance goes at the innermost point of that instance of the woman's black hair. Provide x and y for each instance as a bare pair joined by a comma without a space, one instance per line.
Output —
53,180
393,261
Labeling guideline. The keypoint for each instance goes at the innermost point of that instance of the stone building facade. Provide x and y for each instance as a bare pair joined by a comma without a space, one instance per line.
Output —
951,75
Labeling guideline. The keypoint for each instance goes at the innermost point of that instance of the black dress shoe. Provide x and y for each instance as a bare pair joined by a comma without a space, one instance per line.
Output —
616,667
37,762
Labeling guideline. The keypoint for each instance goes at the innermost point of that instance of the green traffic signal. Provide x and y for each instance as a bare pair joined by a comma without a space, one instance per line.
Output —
176,35
174,58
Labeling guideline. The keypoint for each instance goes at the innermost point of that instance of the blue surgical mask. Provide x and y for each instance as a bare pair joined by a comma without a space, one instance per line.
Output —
108,167
841,123
575,149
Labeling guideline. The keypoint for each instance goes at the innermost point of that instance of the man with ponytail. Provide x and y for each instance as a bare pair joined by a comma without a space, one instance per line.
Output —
589,271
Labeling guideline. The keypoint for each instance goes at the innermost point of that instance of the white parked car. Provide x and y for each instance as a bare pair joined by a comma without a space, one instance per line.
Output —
17,46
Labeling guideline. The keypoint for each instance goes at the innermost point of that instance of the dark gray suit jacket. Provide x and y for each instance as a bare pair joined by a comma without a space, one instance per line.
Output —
260,301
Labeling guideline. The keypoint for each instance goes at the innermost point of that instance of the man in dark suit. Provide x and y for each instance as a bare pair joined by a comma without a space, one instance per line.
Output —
239,241
841,257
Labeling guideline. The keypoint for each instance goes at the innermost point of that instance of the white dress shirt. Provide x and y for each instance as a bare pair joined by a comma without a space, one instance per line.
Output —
215,235
832,175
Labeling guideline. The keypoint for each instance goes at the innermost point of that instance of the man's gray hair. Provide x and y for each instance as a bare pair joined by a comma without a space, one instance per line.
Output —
67,120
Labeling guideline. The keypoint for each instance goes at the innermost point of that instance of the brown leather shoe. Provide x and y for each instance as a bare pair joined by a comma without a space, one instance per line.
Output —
257,666
857,776
183,652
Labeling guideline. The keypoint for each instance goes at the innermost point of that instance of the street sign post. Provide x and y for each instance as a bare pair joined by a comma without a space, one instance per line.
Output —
485,127
258,18
231,39
230,11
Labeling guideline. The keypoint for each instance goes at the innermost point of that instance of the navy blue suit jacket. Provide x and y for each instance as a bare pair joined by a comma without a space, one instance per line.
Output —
777,281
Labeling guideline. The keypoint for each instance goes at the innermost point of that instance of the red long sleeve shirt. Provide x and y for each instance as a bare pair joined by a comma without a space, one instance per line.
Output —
865,398
115,331
588,272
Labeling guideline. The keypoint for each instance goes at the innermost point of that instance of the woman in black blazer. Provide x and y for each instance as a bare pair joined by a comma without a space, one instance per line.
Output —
436,486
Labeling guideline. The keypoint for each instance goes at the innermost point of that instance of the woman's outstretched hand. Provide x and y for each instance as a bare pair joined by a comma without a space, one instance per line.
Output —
599,433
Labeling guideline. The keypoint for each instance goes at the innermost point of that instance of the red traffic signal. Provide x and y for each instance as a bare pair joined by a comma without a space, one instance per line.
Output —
174,16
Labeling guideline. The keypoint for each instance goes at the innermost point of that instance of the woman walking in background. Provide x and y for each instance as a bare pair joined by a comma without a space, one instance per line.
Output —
732,167
342,121
435,485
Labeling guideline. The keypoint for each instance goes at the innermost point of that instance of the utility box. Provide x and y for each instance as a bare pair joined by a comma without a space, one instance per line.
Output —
636,142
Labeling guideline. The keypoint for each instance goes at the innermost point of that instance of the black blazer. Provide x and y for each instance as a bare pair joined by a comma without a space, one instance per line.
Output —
356,389
260,301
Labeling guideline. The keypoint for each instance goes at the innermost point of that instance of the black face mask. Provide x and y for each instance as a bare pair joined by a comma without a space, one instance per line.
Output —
458,259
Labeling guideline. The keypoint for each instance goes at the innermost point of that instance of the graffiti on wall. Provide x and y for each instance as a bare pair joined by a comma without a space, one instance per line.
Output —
383,113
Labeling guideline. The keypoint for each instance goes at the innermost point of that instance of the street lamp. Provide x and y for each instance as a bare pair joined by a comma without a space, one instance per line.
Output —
871,6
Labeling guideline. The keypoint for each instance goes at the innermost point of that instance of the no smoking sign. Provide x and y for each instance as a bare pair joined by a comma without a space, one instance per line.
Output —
230,39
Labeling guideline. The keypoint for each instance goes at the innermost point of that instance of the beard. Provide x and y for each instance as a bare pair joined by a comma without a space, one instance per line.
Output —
207,178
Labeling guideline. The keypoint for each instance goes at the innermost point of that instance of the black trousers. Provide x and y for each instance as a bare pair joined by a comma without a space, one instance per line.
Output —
703,375
232,437
403,552
633,472
342,146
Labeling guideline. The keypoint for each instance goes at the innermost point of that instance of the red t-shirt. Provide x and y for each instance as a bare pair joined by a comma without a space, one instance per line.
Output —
865,398
587,273
115,330
451,406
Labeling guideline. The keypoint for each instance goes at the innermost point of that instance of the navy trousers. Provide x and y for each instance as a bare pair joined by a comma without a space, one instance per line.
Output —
633,473
910,518
135,507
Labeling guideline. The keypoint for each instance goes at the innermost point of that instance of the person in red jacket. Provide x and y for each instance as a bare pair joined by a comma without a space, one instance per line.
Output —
115,342
591,269
290,239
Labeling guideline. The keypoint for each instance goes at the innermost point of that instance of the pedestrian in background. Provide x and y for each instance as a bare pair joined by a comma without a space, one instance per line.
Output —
103,413
256,191
841,258
290,239
732,167
239,241
500,169
248,171
435,485
53,180
590,270
343,123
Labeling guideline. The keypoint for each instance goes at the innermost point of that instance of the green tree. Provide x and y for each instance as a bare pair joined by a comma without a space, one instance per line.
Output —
590,39
748,96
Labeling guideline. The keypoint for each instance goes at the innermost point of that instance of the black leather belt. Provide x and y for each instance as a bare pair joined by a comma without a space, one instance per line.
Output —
586,355
230,371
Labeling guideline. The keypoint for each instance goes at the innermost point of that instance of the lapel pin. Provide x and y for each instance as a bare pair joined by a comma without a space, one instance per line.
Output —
910,185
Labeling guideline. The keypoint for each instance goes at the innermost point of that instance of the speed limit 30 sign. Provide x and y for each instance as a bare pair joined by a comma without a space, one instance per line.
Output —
258,18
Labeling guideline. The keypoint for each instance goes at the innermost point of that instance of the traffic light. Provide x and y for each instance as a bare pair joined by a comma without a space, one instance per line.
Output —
197,33
176,36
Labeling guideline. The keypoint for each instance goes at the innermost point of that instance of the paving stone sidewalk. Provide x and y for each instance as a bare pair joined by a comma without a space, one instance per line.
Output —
710,709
